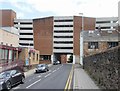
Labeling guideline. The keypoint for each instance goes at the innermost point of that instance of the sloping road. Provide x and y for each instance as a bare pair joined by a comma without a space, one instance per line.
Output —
55,78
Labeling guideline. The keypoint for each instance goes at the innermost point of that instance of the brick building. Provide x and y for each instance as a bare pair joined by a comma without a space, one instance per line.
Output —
29,56
7,18
10,53
99,41
58,36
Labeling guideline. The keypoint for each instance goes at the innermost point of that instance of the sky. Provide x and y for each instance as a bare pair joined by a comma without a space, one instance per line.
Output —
29,9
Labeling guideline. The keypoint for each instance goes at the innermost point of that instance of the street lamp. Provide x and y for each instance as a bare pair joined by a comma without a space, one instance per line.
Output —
82,21
81,41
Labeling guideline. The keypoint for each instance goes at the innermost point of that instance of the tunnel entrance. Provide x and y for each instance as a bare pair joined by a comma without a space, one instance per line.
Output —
63,58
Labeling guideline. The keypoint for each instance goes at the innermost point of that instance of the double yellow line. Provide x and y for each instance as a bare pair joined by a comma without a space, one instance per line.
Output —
69,81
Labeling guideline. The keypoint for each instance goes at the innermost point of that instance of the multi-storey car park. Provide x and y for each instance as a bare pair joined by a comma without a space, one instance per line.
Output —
57,36
107,23
25,27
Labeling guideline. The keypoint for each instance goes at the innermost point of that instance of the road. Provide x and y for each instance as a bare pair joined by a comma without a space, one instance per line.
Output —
55,78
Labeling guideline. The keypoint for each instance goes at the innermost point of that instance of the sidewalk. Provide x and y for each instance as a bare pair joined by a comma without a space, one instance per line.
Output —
82,80
28,73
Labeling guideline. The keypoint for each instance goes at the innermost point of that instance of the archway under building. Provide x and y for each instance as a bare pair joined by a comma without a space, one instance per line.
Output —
63,57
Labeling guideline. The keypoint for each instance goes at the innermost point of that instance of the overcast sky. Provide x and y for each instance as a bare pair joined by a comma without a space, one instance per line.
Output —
44,8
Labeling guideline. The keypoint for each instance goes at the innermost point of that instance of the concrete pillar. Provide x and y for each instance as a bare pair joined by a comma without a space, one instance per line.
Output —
73,59
81,48
52,58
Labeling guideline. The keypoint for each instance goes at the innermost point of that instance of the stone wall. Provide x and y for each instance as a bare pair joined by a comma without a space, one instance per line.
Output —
103,68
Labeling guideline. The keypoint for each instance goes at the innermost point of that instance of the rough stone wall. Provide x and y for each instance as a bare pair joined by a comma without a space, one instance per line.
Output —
104,68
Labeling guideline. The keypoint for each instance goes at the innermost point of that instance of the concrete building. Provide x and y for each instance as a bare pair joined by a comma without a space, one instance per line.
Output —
58,36
25,28
99,41
107,23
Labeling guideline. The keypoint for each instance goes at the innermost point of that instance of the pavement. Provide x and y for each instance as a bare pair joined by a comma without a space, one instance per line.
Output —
29,72
82,80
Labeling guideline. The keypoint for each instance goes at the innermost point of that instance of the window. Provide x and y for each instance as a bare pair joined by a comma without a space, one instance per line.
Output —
15,55
92,45
63,25
33,56
112,44
25,38
1,53
63,42
63,47
45,57
26,44
63,31
10,55
25,28
37,57
103,22
63,20
6,54
26,33
63,36
25,23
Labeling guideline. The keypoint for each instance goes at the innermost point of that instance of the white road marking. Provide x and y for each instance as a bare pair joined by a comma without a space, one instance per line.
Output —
33,83
57,68
16,87
47,75
49,70
39,76
54,70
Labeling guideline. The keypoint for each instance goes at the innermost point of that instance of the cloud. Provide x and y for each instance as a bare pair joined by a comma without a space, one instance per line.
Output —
22,6
95,8
20,15
92,8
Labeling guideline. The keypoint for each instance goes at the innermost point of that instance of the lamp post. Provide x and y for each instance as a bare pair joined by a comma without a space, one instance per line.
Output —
81,41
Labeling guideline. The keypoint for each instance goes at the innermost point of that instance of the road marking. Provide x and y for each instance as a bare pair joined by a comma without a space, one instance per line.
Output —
33,83
57,68
69,80
16,87
39,76
54,71
47,75
49,71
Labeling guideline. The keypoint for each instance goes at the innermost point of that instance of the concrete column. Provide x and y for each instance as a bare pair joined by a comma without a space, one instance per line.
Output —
73,59
81,48
52,58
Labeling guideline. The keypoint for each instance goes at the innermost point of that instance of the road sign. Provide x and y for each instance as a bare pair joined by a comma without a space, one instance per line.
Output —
27,62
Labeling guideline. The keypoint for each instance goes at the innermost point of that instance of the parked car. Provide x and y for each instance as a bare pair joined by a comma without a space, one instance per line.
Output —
56,62
42,68
10,78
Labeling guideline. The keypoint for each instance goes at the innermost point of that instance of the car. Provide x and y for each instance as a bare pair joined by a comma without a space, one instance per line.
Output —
10,78
56,62
42,68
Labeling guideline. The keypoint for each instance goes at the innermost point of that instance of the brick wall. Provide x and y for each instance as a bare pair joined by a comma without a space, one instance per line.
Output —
103,68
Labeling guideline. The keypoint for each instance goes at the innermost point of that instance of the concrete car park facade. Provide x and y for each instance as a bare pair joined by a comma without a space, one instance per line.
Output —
57,36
